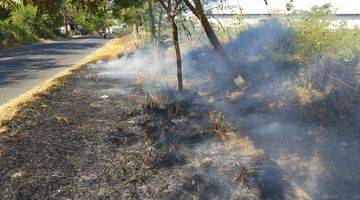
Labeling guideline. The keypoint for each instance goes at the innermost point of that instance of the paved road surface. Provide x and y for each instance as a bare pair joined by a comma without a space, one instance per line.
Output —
24,68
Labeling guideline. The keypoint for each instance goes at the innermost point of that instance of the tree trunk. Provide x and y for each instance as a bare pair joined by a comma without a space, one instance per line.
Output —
152,31
39,12
152,21
66,21
175,36
158,50
159,24
199,12
136,30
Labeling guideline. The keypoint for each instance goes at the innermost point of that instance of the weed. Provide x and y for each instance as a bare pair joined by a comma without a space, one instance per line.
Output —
307,93
150,102
147,137
123,164
217,122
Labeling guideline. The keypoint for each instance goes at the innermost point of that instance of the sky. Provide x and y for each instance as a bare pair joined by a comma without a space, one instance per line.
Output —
258,6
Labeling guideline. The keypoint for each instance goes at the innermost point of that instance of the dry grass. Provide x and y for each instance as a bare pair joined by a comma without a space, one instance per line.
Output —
217,122
307,93
150,102
117,47
111,50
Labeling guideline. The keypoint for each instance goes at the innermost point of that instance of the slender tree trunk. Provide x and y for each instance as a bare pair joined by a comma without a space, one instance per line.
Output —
199,12
152,31
136,30
39,12
66,21
157,41
152,20
159,24
175,36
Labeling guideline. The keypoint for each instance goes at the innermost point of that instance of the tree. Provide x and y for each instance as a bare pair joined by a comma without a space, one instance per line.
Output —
152,20
91,6
197,9
172,9
48,14
130,12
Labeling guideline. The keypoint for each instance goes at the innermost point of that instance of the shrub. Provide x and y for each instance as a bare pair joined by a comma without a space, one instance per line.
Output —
12,34
18,29
327,54
315,34
25,17
23,27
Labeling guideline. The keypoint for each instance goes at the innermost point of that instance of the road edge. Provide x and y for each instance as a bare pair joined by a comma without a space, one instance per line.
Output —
12,108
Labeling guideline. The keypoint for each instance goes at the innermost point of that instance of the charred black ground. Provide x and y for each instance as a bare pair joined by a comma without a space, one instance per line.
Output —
75,143
103,136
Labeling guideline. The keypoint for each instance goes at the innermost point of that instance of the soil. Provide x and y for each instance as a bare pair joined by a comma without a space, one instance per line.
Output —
83,141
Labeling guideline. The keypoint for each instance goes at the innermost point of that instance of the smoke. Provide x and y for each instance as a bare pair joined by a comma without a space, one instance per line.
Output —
266,110
139,67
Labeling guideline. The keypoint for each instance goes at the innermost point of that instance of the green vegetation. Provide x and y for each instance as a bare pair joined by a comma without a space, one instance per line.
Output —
313,36
323,54
19,27
25,22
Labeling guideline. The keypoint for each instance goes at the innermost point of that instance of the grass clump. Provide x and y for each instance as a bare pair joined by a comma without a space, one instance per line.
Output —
217,122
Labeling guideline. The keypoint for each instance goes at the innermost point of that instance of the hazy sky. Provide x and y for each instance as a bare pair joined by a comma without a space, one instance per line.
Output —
258,6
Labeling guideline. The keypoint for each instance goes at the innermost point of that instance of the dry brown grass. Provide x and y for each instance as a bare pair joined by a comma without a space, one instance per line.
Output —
307,93
217,122
112,50
117,47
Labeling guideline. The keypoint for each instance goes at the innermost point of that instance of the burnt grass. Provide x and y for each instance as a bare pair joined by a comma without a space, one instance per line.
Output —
72,144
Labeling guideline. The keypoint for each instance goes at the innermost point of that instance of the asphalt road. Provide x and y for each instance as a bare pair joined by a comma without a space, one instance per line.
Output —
24,68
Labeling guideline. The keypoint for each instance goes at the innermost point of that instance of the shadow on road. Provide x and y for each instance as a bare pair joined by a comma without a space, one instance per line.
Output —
22,62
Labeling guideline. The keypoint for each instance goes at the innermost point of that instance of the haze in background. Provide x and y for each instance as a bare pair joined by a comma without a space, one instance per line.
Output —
258,6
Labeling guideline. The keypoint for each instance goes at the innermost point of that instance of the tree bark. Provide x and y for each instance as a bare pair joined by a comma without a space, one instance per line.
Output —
66,21
199,12
175,36
159,24
171,12
136,30
38,15
158,34
152,20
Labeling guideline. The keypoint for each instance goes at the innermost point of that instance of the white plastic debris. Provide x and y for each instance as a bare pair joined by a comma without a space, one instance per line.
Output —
104,97
239,81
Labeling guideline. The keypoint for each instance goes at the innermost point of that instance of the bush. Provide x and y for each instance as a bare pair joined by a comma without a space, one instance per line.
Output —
315,34
25,17
12,34
19,28
23,27
328,57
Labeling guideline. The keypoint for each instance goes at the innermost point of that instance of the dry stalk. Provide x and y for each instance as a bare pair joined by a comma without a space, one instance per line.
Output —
217,122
